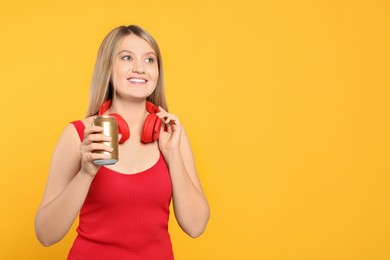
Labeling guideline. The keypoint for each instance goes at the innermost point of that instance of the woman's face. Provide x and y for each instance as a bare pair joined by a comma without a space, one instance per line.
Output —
135,69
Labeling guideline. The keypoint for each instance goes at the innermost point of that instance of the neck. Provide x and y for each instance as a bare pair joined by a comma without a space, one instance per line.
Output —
132,111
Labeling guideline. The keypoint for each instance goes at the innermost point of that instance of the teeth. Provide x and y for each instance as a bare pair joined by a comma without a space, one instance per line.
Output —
138,80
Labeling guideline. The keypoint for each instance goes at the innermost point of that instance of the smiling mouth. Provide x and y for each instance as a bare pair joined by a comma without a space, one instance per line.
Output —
137,80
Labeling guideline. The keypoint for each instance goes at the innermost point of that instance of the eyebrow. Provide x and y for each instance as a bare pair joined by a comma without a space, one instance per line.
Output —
147,53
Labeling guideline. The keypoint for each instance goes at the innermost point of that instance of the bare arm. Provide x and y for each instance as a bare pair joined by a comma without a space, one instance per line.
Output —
70,176
190,204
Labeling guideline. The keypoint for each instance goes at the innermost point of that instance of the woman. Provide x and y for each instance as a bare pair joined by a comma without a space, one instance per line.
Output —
124,208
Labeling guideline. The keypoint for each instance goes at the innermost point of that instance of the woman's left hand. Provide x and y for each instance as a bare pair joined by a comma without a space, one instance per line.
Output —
169,140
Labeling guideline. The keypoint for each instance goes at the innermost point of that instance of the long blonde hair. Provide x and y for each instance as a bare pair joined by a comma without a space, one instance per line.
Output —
101,86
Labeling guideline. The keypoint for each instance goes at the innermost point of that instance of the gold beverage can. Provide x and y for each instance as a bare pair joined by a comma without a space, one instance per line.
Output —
110,128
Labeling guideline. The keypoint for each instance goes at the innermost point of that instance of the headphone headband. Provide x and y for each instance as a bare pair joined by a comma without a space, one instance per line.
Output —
152,123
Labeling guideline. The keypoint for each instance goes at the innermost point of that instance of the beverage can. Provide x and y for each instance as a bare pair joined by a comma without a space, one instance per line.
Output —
110,128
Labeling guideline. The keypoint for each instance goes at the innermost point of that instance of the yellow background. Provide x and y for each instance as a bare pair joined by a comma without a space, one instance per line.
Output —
286,104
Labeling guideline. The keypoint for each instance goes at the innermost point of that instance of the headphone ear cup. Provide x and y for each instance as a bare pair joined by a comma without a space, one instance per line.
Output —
151,130
157,128
123,127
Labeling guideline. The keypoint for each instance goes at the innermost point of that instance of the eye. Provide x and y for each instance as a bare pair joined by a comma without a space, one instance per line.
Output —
126,58
149,60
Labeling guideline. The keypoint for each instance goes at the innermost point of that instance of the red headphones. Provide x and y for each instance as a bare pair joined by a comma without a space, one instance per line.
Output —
152,124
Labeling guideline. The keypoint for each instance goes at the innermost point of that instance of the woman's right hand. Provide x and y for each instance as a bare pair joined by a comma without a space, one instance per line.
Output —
93,141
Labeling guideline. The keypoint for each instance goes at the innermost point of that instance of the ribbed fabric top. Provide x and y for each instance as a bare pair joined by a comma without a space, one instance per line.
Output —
125,216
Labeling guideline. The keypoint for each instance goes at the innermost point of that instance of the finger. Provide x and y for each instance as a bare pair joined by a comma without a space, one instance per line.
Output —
99,138
98,147
162,114
169,128
96,138
168,119
171,119
96,156
93,129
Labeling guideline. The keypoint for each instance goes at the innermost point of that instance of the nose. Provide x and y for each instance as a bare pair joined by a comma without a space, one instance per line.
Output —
138,67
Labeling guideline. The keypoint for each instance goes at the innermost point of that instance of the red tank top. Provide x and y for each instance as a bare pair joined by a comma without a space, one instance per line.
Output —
125,216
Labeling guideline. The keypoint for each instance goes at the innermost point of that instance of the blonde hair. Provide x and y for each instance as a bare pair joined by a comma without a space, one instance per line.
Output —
101,86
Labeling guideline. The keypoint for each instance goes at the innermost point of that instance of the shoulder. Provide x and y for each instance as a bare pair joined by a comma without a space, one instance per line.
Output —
67,147
185,147
73,131
86,121
185,141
